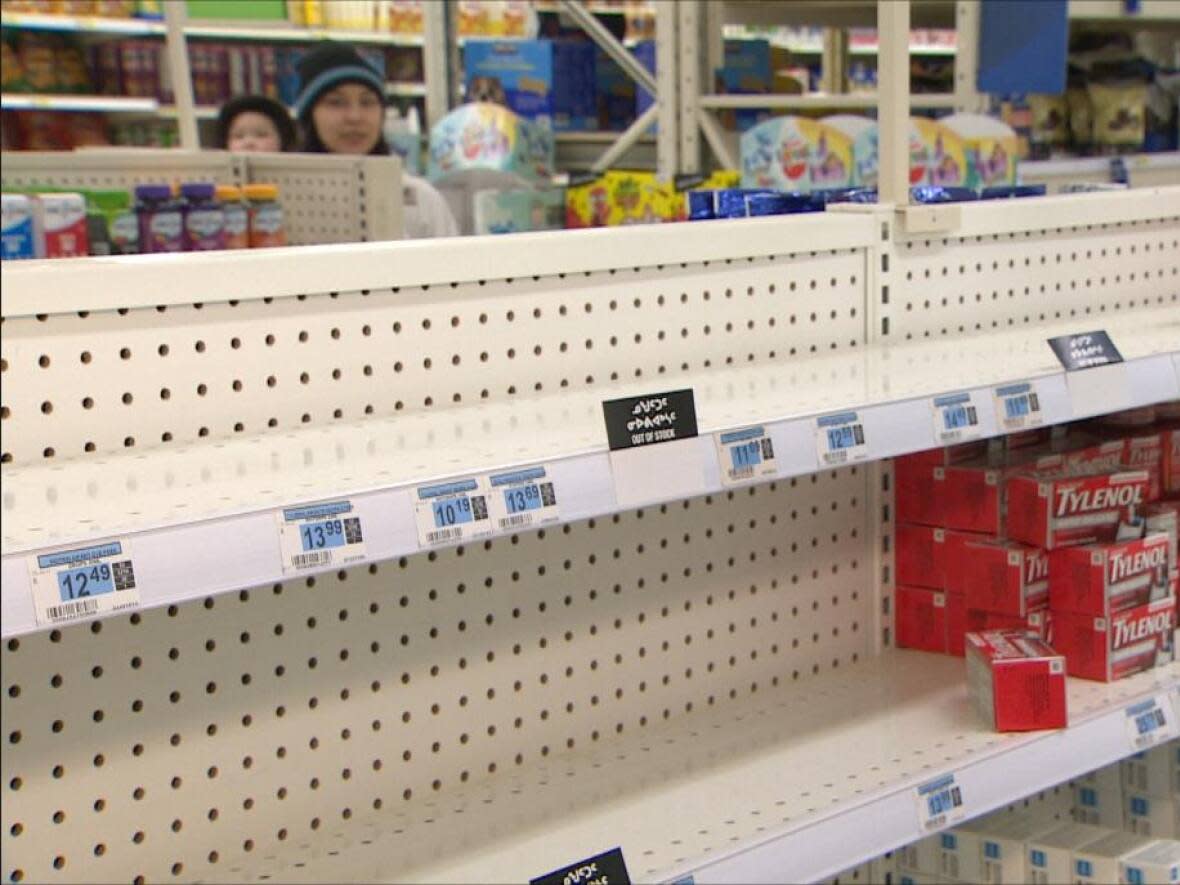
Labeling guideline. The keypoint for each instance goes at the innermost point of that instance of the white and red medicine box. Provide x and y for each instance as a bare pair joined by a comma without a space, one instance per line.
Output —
1001,576
1104,579
1106,649
1016,681
1053,512
920,619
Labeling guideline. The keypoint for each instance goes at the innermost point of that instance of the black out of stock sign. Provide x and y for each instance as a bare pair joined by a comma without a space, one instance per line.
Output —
607,868
653,418
1086,351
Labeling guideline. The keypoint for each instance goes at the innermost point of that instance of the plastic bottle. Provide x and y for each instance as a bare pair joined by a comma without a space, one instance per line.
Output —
237,222
204,219
266,216
161,223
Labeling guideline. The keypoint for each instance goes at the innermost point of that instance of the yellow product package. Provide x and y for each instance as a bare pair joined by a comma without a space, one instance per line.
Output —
943,152
1081,117
1050,119
1120,112
989,146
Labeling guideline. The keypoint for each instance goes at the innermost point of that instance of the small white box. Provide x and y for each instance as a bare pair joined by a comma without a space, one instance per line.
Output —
1002,855
1098,798
1098,862
960,851
1050,856
912,877
1157,862
1155,771
919,857
1149,815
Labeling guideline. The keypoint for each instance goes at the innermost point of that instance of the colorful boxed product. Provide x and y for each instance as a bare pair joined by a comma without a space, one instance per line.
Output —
620,197
1126,643
941,151
1058,512
918,478
1146,452
991,149
504,212
60,221
490,137
550,82
1036,622
17,231
745,71
1002,576
796,154
1016,681
975,494
1102,579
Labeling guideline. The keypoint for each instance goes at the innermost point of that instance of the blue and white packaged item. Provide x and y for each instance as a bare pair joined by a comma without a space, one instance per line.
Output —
16,227
551,82
1005,191
931,193
700,205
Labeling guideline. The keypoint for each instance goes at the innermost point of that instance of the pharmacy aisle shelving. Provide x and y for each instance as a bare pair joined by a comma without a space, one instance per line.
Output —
538,696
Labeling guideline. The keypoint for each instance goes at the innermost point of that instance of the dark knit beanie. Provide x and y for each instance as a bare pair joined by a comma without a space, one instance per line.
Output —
326,67
259,104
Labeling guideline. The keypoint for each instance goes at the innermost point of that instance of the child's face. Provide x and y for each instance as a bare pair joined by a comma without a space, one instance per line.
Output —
252,131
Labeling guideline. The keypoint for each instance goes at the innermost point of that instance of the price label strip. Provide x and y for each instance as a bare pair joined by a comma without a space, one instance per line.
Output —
956,419
1149,723
745,455
84,582
452,512
320,535
1018,407
840,439
523,499
940,804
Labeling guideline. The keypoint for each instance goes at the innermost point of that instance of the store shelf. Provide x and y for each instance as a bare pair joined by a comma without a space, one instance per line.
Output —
11,101
408,88
1116,11
177,503
130,27
818,100
792,785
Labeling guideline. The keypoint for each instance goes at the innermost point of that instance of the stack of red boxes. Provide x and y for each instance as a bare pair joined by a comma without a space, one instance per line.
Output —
1069,534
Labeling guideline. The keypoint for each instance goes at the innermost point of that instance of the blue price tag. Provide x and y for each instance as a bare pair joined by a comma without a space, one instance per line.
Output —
320,535
523,498
1018,406
956,419
86,581
450,512
940,803
89,580
745,455
841,439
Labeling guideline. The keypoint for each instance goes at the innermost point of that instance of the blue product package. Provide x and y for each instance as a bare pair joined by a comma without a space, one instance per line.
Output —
746,71
1004,191
16,227
549,81
614,92
930,193
700,205
731,202
645,52
781,204
852,195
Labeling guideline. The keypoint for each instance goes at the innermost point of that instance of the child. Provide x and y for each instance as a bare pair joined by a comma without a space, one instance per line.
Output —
254,123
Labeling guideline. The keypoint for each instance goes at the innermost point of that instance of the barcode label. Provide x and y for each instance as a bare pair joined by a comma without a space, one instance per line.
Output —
72,609
1149,723
522,499
515,522
745,455
840,439
939,804
318,535
441,536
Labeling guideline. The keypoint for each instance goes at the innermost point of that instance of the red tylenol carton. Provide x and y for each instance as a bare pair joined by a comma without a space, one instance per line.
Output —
1146,452
974,497
1107,456
917,481
1102,579
1112,648
956,624
1016,681
1057,512
1002,576
1036,622
1170,468
1163,517
920,619
953,573
919,555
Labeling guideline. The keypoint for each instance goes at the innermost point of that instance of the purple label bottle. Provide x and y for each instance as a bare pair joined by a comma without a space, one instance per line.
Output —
161,221
204,218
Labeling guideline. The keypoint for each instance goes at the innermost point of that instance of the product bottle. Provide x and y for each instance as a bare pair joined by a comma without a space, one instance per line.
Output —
161,224
204,219
266,216
237,222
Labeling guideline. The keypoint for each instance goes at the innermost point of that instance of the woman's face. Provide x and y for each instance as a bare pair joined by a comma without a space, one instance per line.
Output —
252,131
348,119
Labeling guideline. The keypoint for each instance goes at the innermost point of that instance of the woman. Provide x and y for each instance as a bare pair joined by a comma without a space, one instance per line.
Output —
254,123
341,109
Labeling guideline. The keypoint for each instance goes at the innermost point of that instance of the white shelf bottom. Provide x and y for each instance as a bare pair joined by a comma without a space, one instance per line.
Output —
802,782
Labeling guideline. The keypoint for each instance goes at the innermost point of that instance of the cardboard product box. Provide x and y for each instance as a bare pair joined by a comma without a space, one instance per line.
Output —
1157,862
1002,855
615,93
1145,451
960,851
1103,579
953,542
549,81
1001,576
1150,815
1016,681
1082,455
1163,517
918,477
975,494
1037,622
60,224
920,619
1099,862
1098,798
1057,512
1170,468
1050,855
920,555
746,71
1155,772
1126,643
956,624
921,856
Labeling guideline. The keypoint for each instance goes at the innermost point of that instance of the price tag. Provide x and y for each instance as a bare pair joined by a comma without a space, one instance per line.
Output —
452,512
745,455
80,583
607,868
320,535
956,419
840,439
1086,351
523,499
940,804
1018,407
1149,723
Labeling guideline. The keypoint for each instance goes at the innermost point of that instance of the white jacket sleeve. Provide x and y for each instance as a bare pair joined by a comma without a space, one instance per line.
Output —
424,210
